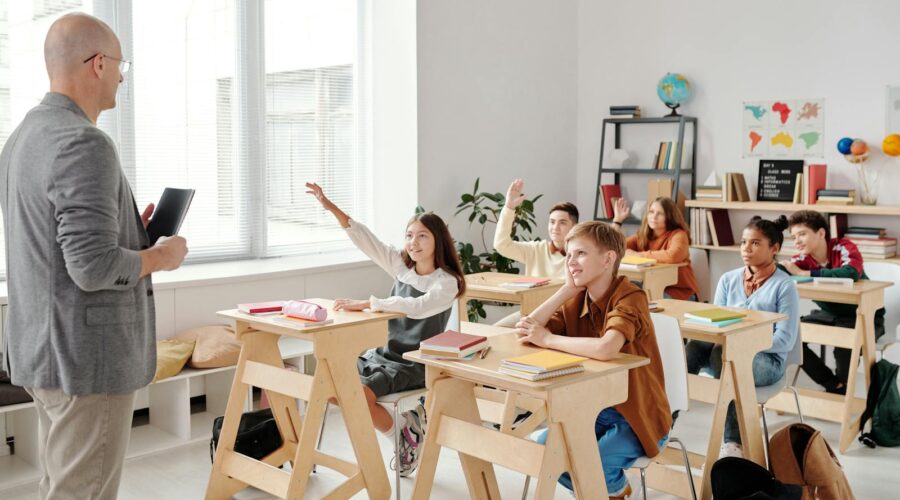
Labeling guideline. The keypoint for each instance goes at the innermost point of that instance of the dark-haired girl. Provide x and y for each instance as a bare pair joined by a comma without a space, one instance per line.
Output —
759,285
427,279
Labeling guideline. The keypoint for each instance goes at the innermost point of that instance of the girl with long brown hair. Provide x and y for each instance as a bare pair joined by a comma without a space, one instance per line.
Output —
427,279
664,236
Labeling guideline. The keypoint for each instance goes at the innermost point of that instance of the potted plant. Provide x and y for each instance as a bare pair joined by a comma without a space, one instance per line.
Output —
484,208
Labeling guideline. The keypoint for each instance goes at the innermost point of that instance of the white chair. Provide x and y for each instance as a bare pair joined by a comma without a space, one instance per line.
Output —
671,351
886,271
766,392
700,265
398,402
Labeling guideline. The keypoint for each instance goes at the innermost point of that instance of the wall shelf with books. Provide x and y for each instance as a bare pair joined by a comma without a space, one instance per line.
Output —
668,165
784,252
777,206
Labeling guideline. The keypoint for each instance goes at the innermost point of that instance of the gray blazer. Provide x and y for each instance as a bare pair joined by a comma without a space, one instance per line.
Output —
79,317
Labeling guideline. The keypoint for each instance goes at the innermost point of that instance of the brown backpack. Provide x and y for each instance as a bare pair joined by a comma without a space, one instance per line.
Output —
800,455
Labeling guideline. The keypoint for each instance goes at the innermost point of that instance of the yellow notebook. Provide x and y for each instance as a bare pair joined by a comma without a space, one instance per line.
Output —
634,260
543,361
714,315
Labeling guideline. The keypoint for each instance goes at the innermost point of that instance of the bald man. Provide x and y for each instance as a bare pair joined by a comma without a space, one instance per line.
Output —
80,326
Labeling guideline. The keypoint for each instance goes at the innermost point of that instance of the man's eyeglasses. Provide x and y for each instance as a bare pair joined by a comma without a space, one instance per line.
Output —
124,65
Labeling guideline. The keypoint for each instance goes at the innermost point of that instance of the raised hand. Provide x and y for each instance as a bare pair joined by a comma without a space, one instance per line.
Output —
514,196
621,210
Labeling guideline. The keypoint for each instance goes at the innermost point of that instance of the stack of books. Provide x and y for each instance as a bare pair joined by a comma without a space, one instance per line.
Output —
668,152
609,193
736,187
699,224
710,193
542,365
872,242
635,262
715,317
453,345
625,111
719,226
835,196
525,282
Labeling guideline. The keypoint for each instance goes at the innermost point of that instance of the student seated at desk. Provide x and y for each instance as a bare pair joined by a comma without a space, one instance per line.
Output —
833,258
761,286
663,236
542,259
427,279
598,314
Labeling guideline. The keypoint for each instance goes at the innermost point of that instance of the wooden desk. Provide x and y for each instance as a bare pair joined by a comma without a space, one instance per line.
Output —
336,347
869,297
740,342
572,403
654,279
486,286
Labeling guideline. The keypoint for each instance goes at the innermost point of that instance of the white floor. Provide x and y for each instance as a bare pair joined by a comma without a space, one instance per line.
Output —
182,474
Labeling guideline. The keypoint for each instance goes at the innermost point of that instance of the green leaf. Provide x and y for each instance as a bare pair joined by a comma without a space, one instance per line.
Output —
467,198
482,219
472,217
477,180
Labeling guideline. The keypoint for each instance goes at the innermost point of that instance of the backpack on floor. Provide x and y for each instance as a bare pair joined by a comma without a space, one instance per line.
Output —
882,407
800,456
257,435
740,479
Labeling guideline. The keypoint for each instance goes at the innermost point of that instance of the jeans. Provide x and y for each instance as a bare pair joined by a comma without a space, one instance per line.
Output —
619,448
815,367
768,368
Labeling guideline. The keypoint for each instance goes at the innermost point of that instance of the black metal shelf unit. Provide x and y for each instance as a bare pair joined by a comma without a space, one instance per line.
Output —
675,172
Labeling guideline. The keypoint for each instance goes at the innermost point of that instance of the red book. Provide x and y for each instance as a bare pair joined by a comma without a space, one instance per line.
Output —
261,307
720,226
610,192
452,341
816,181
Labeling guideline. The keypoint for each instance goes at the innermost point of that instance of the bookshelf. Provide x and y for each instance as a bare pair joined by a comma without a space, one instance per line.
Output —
787,208
675,173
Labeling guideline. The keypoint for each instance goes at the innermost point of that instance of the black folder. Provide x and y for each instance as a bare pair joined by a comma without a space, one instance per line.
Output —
169,213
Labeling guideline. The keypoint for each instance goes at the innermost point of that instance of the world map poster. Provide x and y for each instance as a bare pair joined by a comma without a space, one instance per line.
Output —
789,128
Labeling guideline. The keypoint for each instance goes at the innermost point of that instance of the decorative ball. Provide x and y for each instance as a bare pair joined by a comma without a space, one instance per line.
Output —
843,145
858,147
891,145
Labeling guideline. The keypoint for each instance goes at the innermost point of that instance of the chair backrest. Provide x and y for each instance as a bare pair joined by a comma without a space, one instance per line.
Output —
795,357
700,265
887,271
453,323
671,350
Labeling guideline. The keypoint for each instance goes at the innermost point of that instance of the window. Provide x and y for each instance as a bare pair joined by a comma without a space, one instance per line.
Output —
243,101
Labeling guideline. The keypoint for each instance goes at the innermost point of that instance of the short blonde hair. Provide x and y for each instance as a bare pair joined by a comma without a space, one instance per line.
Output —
603,235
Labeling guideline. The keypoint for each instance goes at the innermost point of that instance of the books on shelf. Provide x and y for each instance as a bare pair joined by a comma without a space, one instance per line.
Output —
841,193
525,282
720,227
542,364
871,232
713,315
709,193
699,224
608,194
837,225
635,262
814,177
256,308
625,111
835,200
736,187
668,154
453,345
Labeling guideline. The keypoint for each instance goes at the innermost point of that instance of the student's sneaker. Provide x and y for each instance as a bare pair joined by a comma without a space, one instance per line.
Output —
412,435
731,450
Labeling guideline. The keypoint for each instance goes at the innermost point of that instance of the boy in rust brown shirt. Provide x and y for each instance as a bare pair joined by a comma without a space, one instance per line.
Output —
598,315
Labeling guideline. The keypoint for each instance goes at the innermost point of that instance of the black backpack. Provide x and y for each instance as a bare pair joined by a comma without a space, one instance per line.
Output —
740,479
882,406
257,435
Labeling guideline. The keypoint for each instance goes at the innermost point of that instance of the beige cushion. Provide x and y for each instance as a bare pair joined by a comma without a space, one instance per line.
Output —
216,346
171,355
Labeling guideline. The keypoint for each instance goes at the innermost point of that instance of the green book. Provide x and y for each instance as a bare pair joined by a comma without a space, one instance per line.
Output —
801,279
713,315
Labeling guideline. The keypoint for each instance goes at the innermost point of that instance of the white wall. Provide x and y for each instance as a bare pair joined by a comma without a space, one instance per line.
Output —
846,53
496,95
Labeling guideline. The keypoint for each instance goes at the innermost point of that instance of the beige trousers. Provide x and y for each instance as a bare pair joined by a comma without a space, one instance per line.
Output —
82,443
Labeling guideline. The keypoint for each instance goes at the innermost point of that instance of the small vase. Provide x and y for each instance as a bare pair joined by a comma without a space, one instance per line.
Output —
868,185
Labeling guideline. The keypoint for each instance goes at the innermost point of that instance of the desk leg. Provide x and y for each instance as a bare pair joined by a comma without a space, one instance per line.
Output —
455,398
554,464
849,425
349,392
256,346
717,432
746,408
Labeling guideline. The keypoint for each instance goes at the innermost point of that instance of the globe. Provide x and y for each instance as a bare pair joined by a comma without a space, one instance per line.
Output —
673,89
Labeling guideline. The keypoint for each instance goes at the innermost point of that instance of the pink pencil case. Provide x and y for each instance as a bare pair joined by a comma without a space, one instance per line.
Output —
305,310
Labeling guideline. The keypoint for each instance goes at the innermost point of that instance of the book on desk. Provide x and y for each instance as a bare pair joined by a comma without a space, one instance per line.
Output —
542,365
